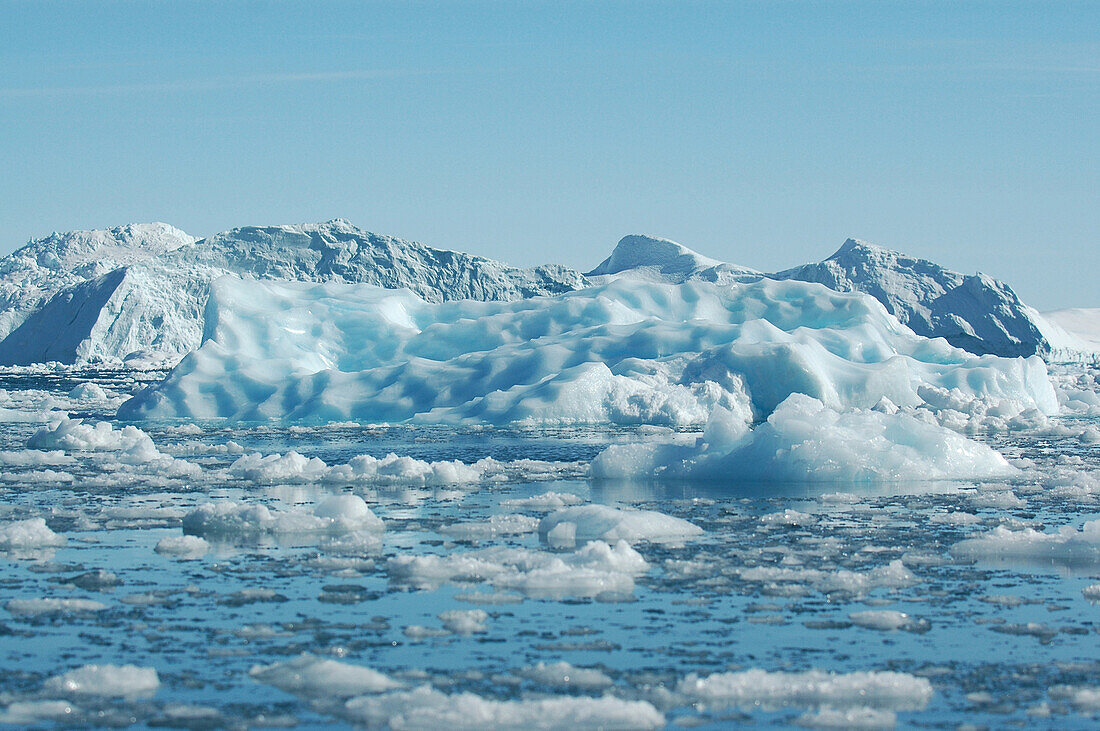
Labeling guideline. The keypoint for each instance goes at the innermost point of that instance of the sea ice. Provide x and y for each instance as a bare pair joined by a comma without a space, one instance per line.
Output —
605,523
425,707
309,676
881,690
805,440
106,680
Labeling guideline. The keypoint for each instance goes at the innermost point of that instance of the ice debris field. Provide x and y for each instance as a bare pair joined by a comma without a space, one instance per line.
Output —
358,482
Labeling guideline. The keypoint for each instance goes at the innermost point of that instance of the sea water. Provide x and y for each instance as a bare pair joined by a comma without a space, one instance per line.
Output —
797,605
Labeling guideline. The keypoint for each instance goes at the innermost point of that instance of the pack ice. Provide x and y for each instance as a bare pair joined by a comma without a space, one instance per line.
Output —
626,352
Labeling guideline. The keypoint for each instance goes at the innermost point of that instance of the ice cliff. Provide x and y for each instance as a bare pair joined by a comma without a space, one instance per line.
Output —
140,291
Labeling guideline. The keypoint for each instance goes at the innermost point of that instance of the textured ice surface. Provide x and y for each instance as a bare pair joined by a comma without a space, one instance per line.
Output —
883,690
623,353
138,293
604,523
316,677
425,707
106,680
804,440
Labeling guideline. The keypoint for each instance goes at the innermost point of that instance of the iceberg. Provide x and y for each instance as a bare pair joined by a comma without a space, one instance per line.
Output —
805,441
973,312
625,352
138,293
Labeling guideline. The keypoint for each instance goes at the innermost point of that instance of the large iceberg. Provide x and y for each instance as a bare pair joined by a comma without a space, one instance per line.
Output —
625,352
805,441
973,312
142,289
36,272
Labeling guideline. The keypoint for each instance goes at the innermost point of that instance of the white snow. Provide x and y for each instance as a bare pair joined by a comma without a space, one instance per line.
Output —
425,707
106,680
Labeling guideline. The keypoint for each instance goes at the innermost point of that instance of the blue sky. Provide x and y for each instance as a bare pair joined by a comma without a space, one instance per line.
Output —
763,133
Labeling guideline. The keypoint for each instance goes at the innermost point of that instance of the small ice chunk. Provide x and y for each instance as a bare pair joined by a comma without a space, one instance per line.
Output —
605,523
50,605
465,621
425,707
562,535
309,676
28,534
564,675
106,680
885,620
759,688
182,546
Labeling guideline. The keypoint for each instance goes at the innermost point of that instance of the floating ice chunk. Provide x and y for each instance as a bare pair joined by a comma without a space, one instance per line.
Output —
88,392
564,675
545,501
34,458
1001,499
604,523
892,576
276,468
29,712
309,676
497,525
881,690
465,621
425,707
804,440
183,546
885,620
73,435
562,535
1092,593
849,718
334,514
129,444
788,517
1067,546
595,569
955,517
395,470
50,605
107,680
28,534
